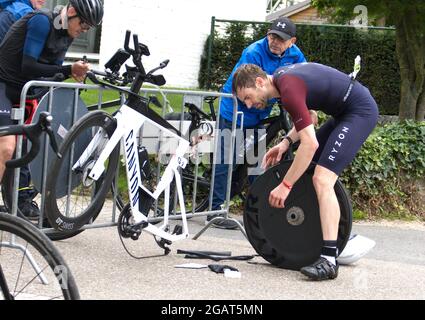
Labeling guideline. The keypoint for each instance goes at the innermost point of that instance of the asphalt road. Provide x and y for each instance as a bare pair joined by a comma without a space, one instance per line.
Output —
394,269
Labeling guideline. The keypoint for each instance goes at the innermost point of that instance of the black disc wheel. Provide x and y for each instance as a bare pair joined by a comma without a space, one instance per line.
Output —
291,237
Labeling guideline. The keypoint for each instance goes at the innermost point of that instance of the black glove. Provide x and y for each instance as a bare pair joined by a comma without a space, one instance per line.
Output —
217,268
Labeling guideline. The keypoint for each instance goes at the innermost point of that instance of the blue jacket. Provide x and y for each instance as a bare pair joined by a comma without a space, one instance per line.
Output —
18,8
5,3
11,12
257,53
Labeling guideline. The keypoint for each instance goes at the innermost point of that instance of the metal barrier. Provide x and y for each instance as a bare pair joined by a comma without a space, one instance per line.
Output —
18,114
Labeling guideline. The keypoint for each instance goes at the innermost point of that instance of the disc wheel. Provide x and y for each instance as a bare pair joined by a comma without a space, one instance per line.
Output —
291,237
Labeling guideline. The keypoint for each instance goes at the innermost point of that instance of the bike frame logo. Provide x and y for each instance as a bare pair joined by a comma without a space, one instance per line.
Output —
132,167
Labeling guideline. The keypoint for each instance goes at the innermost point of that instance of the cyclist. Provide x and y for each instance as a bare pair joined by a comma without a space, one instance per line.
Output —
35,47
275,50
354,114
14,10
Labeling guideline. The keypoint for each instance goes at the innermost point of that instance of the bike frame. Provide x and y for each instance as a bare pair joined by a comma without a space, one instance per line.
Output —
129,121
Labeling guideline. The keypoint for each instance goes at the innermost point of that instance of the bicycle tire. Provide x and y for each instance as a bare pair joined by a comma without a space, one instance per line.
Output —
53,261
291,237
7,192
93,192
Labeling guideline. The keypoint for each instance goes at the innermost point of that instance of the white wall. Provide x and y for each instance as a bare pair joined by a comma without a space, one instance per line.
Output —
172,29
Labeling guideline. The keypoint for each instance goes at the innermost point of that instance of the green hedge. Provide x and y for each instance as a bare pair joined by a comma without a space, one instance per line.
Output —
388,174
331,45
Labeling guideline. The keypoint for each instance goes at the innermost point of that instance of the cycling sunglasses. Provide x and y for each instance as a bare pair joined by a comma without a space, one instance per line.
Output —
84,25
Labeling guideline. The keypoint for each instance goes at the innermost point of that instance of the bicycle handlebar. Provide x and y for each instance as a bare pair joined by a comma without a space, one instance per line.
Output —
127,41
136,44
33,133
99,73
135,75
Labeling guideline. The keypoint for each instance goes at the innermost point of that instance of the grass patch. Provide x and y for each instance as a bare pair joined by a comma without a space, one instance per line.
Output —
359,215
403,216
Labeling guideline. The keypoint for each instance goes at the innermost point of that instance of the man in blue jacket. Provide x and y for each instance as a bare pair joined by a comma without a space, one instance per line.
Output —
14,10
276,50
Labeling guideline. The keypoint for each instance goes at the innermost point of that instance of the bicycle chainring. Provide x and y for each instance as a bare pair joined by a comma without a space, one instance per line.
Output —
126,224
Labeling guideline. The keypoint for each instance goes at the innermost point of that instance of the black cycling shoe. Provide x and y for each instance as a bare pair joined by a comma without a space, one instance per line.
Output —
322,269
29,209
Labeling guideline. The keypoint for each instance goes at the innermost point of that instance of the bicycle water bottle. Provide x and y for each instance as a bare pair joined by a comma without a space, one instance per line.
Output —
145,169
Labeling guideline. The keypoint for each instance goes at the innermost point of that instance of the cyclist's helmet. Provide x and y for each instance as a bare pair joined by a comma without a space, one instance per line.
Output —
90,11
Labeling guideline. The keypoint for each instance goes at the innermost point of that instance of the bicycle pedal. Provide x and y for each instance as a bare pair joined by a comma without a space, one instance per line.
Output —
133,232
135,236
178,229
165,242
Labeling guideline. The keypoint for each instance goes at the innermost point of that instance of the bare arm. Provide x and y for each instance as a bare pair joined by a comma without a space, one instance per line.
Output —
300,164
304,155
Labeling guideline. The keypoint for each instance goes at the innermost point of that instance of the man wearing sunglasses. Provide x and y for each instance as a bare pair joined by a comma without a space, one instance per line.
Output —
35,47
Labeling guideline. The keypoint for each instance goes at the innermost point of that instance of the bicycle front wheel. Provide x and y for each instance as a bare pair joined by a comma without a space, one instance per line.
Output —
31,268
72,197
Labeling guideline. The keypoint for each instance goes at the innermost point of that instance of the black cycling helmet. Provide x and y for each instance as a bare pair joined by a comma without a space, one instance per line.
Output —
90,11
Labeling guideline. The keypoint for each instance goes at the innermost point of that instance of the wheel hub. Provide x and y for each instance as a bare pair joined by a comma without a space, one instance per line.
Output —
87,181
295,216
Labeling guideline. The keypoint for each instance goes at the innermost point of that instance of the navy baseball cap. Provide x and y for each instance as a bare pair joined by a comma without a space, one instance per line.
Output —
283,27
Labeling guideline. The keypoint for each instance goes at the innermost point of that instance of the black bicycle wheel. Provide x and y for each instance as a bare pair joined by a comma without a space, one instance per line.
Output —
291,237
72,198
20,241
7,193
